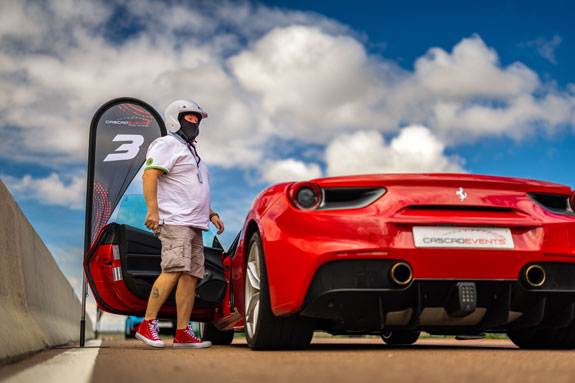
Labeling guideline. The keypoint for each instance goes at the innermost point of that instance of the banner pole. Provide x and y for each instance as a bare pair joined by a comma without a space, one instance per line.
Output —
88,222
83,320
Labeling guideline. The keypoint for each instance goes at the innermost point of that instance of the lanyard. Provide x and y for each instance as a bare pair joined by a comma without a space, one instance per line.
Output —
192,149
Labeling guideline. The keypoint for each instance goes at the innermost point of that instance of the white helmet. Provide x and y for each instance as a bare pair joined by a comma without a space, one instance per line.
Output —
180,106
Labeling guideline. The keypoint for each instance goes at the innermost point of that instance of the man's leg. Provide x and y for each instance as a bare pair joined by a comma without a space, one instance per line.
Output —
185,294
160,292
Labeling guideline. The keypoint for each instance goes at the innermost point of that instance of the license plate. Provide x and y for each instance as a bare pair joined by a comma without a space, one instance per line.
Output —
462,237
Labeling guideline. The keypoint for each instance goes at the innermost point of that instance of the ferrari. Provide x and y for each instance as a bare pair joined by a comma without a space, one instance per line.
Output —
386,255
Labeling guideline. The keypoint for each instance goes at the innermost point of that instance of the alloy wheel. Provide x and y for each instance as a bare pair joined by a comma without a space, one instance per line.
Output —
252,289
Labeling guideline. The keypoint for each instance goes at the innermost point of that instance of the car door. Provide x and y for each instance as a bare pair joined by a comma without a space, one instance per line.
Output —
124,262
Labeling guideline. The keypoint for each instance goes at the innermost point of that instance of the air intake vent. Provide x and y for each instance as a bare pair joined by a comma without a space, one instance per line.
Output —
555,203
462,208
349,198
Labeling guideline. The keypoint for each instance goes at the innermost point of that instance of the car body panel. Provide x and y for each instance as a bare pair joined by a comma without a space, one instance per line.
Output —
296,243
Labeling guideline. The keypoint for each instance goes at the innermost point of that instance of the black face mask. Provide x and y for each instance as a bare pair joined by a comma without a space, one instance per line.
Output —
189,130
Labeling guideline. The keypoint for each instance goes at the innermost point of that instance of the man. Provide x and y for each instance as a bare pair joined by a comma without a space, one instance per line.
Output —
177,193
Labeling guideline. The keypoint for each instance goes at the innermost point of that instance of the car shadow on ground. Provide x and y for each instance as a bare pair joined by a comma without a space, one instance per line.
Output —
383,347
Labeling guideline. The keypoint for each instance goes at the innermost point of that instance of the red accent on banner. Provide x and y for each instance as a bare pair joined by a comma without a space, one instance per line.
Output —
102,209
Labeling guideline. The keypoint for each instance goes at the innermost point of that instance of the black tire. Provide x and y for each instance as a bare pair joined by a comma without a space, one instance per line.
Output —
171,330
400,337
537,339
129,334
269,331
209,332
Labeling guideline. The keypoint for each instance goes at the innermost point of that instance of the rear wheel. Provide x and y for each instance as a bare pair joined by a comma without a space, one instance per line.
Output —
209,332
264,330
400,337
557,339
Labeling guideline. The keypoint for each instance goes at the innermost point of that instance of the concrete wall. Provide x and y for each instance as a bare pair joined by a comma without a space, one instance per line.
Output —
38,307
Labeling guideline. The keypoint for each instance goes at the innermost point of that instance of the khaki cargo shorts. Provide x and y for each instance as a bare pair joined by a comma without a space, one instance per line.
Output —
182,249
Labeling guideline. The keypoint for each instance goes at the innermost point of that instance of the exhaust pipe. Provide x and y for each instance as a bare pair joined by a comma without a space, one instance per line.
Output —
401,274
535,276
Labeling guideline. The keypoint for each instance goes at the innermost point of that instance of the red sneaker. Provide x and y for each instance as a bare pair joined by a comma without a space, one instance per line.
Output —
148,333
187,339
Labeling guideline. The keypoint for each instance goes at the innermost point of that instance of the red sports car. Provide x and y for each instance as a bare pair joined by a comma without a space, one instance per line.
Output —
391,255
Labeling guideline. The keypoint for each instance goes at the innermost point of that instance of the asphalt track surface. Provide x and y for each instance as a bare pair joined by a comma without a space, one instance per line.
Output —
326,360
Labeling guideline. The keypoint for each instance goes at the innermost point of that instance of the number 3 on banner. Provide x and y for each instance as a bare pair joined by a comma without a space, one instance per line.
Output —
130,150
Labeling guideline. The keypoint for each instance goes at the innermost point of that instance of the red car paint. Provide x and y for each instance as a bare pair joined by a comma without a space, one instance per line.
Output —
296,242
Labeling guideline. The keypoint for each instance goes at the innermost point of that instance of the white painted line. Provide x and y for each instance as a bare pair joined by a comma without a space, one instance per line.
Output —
74,365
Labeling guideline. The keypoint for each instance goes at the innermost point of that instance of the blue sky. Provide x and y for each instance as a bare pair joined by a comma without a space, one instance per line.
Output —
295,90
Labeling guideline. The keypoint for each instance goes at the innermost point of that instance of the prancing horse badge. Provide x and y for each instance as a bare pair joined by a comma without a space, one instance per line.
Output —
461,194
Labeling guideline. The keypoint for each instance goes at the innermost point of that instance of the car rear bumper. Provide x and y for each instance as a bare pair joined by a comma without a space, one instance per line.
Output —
367,301
292,270
298,243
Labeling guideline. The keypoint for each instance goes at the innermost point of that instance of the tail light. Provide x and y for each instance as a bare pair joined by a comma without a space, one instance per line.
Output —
305,196
309,196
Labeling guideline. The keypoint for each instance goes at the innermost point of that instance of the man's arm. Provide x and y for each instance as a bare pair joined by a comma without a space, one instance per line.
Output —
150,179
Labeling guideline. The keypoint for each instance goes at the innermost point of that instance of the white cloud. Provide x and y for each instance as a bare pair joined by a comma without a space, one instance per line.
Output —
51,190
313,85
264,74
547,48
308,83
414,150
289,170
471,70
65,65
468,94
520,118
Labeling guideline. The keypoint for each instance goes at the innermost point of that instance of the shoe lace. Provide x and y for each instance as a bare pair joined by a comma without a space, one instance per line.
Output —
190,332
154,328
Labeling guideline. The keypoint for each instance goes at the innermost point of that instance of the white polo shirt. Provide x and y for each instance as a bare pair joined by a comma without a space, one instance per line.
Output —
182,198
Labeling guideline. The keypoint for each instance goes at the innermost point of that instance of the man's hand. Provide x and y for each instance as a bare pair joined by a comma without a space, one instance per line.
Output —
152,220
218,224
